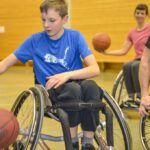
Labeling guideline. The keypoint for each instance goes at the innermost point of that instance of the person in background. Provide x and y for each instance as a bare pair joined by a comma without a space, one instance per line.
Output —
144,77
137,38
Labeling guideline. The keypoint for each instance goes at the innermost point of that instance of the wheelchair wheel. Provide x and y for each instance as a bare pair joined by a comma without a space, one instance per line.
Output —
122,138
28,108
119,91
45,141
145,132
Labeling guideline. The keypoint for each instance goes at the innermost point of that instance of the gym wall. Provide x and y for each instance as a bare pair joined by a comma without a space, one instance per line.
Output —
21,18
114,17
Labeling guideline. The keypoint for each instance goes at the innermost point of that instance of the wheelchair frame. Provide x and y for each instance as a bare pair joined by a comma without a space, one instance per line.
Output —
120,94
144,132
144,121
119,80
44,105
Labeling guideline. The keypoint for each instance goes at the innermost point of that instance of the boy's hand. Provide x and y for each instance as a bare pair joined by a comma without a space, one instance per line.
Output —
57,80
103,52
144,106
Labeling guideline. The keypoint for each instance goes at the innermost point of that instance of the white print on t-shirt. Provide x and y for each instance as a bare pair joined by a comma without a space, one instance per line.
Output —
53,59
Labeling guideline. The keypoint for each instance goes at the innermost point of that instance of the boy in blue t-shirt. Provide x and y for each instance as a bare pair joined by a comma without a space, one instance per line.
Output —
56,54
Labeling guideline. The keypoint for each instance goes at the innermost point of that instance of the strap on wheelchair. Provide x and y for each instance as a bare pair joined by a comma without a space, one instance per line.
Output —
77,106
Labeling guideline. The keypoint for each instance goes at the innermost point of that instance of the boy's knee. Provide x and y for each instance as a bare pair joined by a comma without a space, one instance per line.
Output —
73,90
73,87
89,84
68,92
90,90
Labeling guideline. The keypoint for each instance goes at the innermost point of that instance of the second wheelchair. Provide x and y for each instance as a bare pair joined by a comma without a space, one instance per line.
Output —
119,92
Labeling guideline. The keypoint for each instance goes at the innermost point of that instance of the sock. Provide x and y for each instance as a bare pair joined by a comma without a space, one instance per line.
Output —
138,95
131,96
75,139
86,140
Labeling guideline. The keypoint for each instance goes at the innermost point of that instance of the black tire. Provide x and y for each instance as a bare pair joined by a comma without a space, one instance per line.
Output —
122,137
30,120
145,132
119,91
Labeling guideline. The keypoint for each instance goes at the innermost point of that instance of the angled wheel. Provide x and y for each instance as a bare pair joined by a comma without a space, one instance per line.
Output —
49,118
28,108
145,132
119,91
122,138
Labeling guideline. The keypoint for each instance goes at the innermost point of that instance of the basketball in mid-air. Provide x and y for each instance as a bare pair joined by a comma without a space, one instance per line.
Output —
101,41
9,128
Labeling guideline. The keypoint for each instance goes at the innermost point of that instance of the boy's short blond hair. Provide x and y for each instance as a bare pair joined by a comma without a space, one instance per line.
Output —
59,5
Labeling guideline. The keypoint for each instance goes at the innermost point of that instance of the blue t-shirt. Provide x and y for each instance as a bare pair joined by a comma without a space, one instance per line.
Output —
52,57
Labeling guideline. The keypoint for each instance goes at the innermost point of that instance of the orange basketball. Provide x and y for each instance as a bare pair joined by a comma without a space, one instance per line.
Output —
101,41
9,128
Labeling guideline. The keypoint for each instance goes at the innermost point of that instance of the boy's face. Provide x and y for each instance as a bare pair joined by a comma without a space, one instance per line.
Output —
140,16
53,23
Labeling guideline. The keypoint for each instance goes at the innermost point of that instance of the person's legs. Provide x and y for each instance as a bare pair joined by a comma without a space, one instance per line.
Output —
89,119
135,77
83,90
68,92
128,79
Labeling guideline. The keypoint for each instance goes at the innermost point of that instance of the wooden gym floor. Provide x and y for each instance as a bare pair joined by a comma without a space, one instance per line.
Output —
19,78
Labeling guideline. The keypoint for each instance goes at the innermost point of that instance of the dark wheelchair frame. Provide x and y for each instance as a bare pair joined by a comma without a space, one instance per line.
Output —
119,93
145,132
30,136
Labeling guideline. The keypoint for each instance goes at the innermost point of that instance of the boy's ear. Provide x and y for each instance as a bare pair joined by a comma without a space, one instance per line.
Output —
65,19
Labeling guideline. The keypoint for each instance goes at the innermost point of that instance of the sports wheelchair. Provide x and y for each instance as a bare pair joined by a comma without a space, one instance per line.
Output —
119,92
145,132
33,105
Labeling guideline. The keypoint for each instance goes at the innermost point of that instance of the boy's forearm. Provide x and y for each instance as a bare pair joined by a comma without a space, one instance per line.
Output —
87,72
7,62
115,53
2,68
